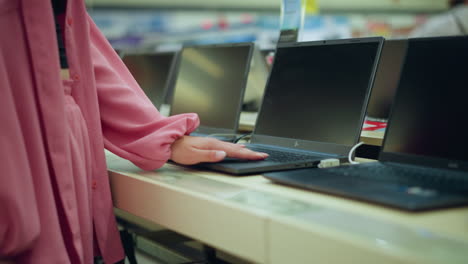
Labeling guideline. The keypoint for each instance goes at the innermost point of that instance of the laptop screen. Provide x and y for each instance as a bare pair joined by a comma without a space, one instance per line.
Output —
429,114
211,82
151,71
317,91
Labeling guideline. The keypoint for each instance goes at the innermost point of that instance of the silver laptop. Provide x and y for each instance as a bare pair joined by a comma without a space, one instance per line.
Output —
314,104
152,73
211,81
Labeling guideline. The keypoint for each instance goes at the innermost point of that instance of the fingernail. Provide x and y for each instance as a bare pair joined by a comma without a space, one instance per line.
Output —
220,154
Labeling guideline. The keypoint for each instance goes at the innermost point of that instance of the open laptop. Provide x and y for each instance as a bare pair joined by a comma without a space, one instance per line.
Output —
314,104
386,79
424,160
211,81
151,71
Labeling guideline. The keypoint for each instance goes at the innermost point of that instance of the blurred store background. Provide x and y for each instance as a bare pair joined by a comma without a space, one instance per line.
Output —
165,25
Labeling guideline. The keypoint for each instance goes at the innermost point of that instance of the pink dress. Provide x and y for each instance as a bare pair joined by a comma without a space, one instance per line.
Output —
55,200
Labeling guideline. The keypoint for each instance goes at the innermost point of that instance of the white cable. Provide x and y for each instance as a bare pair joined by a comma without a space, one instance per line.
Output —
350,155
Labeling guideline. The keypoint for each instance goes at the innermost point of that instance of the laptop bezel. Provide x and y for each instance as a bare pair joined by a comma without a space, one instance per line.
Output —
413,159
332,148
203,129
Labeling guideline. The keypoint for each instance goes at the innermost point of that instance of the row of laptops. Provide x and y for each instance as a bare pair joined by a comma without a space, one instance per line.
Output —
423,163
208,78
314,104
241,70
204,79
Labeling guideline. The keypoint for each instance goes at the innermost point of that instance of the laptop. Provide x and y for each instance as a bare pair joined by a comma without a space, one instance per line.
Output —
314,105
423,163
211,81
386,79
151,71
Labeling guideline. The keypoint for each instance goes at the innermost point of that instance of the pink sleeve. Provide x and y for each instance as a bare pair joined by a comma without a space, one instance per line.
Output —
133,128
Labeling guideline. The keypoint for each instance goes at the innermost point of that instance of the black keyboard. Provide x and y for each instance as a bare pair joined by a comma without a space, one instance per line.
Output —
284,156
406,175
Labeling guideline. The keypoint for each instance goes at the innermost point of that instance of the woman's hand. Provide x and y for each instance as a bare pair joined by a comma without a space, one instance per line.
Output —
189,150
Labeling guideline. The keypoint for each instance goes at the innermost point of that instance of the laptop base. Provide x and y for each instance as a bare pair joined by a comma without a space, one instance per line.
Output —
237,167
395,195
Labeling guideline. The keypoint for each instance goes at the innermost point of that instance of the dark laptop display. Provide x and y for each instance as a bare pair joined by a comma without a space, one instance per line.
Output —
151,71
314,104
386,78
211,81
424,160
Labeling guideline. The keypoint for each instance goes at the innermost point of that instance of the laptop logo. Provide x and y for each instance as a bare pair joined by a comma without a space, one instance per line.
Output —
296,144
453,165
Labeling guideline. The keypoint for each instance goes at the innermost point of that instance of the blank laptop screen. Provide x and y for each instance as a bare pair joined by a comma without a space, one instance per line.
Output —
151,71
431,104
317,92
210,83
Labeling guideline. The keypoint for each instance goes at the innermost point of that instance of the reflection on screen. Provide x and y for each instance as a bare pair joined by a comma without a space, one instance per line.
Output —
210,83
430,108
317,92
151,72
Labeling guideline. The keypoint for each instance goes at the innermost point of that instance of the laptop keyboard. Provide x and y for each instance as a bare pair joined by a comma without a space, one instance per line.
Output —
284,156
406,175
